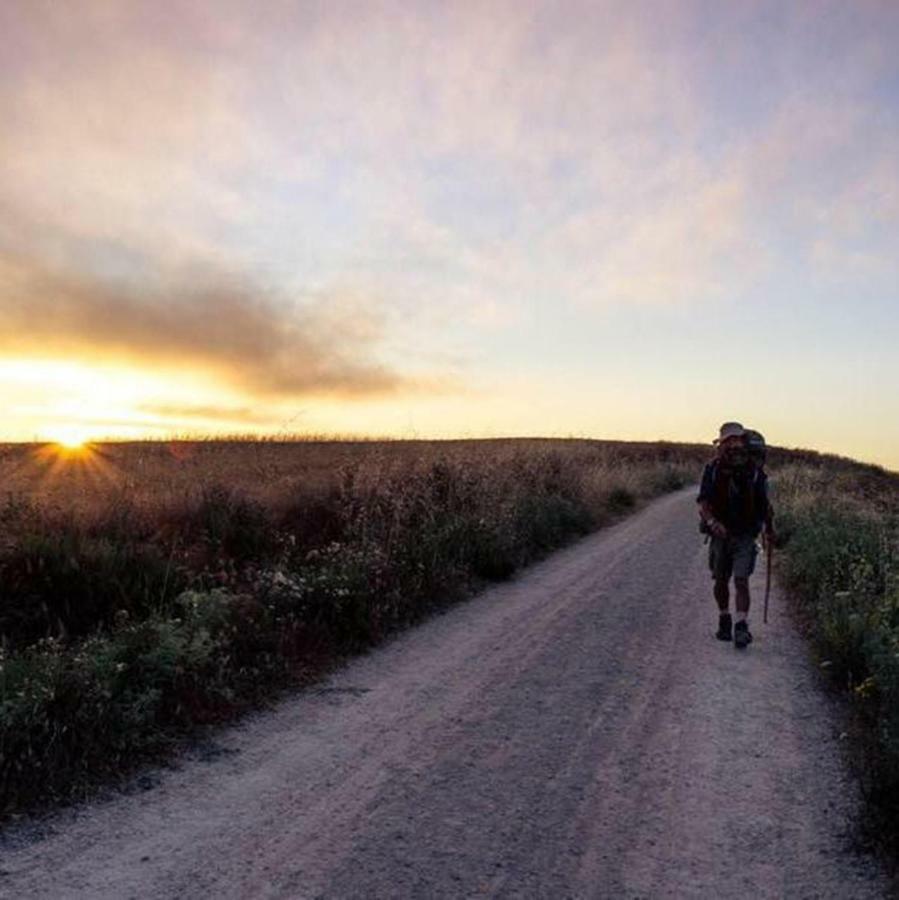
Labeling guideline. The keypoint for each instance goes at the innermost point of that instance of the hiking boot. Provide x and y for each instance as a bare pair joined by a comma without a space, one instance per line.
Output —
724,626
742,637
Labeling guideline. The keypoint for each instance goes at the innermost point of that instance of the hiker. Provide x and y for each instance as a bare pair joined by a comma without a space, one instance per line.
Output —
733,511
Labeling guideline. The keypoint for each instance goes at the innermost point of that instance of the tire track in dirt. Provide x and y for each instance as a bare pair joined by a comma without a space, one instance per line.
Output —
576,732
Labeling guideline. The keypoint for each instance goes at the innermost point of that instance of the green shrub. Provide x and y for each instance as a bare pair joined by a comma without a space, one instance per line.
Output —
490,550
619,500
239,527
543,522
672,477
69,713
62,582
840,565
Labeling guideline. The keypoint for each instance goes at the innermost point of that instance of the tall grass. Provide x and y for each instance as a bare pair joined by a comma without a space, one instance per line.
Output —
841,563
182,585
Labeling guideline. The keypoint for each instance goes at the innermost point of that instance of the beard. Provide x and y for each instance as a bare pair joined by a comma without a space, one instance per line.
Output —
736,456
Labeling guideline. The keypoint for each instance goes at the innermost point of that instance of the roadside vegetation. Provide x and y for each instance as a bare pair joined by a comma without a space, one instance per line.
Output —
841,565
150,589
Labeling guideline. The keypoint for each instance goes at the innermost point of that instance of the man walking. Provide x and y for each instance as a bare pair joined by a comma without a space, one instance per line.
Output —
733,508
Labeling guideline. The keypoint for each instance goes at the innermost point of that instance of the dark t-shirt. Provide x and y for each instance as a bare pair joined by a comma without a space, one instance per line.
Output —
730,498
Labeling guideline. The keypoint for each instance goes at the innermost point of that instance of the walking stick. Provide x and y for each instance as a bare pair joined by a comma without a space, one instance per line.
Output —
769,551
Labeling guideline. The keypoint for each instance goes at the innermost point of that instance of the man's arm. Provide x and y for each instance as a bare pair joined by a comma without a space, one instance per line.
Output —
708,516
706,513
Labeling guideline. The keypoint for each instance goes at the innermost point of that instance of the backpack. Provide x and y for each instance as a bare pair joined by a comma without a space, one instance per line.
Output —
758,449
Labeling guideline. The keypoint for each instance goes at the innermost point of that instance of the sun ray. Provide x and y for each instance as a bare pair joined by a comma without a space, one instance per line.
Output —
70,472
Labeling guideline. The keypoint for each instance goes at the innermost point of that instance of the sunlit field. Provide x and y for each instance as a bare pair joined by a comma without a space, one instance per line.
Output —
83,478
146,588
76,474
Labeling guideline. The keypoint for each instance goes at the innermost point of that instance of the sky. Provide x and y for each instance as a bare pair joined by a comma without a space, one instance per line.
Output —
424,219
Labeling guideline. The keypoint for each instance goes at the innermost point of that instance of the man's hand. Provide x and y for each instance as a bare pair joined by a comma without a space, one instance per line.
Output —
716,528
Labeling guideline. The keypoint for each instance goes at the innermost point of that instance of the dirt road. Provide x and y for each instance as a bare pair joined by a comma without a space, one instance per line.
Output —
574,733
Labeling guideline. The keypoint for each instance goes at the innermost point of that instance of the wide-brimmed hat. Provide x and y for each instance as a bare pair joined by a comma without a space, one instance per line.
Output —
729,430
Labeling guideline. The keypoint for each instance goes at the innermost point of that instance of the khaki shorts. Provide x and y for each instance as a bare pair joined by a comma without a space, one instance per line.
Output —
732,556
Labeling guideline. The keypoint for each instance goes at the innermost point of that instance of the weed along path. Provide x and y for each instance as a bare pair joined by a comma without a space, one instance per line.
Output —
576,732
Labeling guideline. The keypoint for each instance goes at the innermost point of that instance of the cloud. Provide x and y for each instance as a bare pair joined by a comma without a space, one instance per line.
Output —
242,415
460,162
676,254
415,147
262,343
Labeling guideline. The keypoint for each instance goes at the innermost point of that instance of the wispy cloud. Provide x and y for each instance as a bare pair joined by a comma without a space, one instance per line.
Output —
216,414
480,149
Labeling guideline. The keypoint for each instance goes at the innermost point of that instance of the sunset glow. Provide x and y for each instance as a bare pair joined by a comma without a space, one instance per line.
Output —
413,219
70,437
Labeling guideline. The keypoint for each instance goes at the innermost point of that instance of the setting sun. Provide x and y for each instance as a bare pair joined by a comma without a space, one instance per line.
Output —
69,437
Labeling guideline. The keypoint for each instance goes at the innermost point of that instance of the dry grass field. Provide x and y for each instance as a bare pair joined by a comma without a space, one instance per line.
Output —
146,588
159,473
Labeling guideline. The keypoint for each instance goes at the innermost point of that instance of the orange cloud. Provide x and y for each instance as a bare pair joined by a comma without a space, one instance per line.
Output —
192,413
323,345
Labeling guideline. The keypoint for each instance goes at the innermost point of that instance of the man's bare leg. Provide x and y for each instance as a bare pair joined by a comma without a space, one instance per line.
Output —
722,598
742,591
742,636
722,595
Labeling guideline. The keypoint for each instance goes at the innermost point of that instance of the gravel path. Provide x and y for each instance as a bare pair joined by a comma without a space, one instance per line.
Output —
576,732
